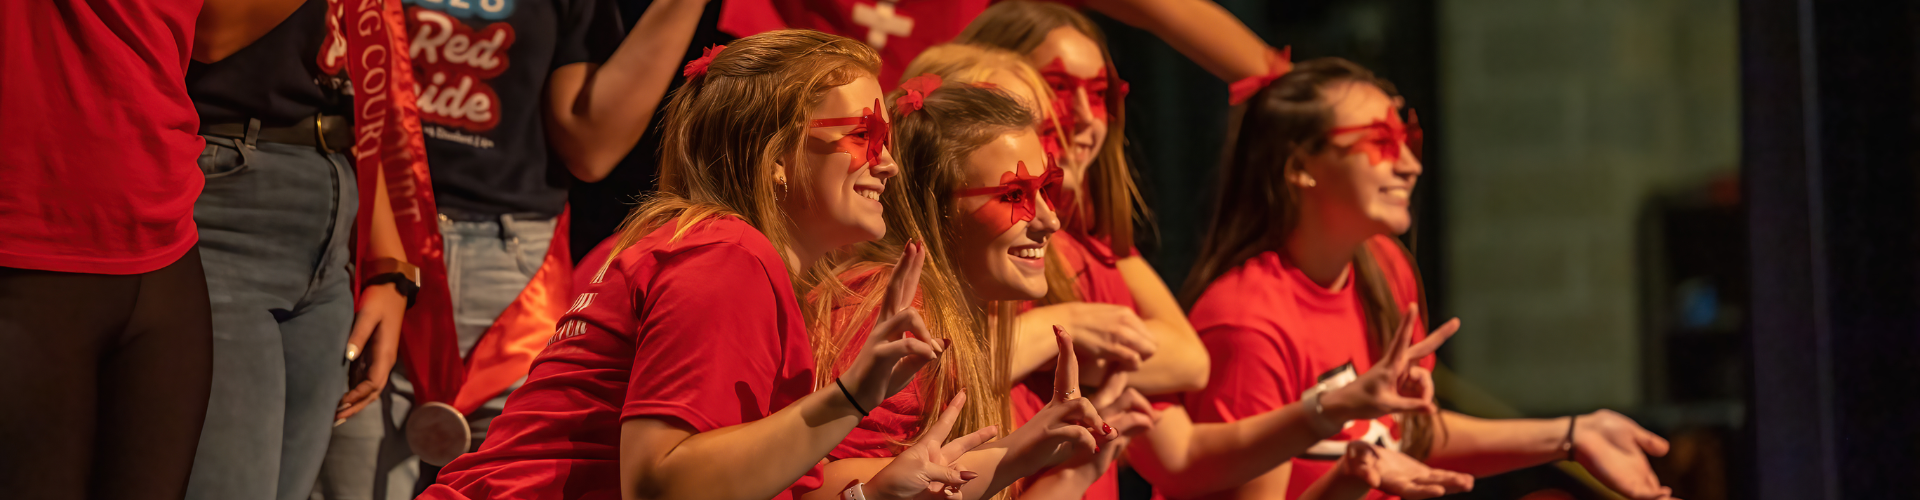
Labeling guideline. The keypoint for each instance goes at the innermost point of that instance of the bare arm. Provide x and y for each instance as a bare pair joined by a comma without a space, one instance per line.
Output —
1180,364
1184,459
667,460
1187,459
1271,485
1200,29
1609,445
597,112
375,338
1485,447
226,26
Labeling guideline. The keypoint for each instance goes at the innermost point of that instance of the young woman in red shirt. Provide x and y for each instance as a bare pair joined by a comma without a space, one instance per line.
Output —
1300,283
978,186
1126,316
684,368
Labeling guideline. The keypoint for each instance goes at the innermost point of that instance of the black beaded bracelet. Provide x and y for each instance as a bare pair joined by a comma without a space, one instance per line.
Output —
849,395
1570,444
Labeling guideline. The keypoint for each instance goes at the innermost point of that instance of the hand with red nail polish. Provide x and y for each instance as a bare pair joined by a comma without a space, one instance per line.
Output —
928,470
1069,428
900,343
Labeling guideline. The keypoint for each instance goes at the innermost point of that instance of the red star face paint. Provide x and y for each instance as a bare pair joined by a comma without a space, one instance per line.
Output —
865,142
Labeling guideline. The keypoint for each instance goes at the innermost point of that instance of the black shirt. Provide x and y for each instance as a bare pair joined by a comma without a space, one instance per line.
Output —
277,79
482,68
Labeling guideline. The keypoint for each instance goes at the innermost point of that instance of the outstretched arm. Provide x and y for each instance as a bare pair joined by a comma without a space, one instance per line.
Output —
1187,459
596,112
1611,446
1200,29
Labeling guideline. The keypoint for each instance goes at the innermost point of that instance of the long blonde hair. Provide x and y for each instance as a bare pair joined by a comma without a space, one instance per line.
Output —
933,144
963,63
724,131
1111,194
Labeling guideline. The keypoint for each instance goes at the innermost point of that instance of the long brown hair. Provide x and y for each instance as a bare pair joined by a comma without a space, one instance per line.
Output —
933,144
1111,195
724,131
1257,209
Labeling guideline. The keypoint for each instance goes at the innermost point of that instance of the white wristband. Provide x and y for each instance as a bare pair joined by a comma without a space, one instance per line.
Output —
1322,425
854,493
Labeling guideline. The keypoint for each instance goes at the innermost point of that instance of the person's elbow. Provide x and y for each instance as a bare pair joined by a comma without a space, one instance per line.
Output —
586,162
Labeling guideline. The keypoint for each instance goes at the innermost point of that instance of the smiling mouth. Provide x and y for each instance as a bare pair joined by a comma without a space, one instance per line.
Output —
868,193
1029,252
1398,193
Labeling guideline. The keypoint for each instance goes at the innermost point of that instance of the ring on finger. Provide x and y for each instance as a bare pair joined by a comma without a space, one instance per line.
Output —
1069,394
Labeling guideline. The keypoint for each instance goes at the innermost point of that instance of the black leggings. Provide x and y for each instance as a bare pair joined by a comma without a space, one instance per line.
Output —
103,381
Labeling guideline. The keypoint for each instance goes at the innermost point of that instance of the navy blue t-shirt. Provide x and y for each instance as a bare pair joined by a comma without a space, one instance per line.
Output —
278,79
482,68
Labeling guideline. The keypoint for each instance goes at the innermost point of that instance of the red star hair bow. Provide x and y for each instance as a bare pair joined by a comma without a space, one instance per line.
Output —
1014,199
1384,137
698,67
1279,62
916,96
866,141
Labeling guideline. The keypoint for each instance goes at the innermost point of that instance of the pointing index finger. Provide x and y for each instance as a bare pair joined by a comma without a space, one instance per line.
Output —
1066,370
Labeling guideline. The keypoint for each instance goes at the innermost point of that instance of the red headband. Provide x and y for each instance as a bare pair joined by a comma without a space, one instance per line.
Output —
1279,62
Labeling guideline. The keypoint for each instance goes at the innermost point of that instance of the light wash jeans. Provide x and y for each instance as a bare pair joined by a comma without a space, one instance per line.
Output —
488,263
275,221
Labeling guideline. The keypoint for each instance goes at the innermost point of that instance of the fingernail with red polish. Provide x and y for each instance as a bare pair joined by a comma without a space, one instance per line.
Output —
967,475
1106,429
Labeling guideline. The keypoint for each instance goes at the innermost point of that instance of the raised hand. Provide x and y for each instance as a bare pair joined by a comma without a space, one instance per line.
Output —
1614,449
1068,427
1395,383
927,470
1398,474
1127,411
899,344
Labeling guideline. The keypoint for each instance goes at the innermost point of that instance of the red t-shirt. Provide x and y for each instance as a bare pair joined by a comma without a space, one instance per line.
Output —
101,148
1275,337
899,30
704,331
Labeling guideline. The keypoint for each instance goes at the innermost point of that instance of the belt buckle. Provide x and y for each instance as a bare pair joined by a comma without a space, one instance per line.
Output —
320,134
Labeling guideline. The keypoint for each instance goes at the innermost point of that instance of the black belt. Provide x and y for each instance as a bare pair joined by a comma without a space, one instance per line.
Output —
329,133
457,215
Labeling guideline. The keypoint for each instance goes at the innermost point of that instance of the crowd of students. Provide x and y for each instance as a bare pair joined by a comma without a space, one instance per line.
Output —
899,265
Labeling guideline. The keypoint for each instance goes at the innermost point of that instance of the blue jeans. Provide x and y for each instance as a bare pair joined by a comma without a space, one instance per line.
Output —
275,221
488,263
